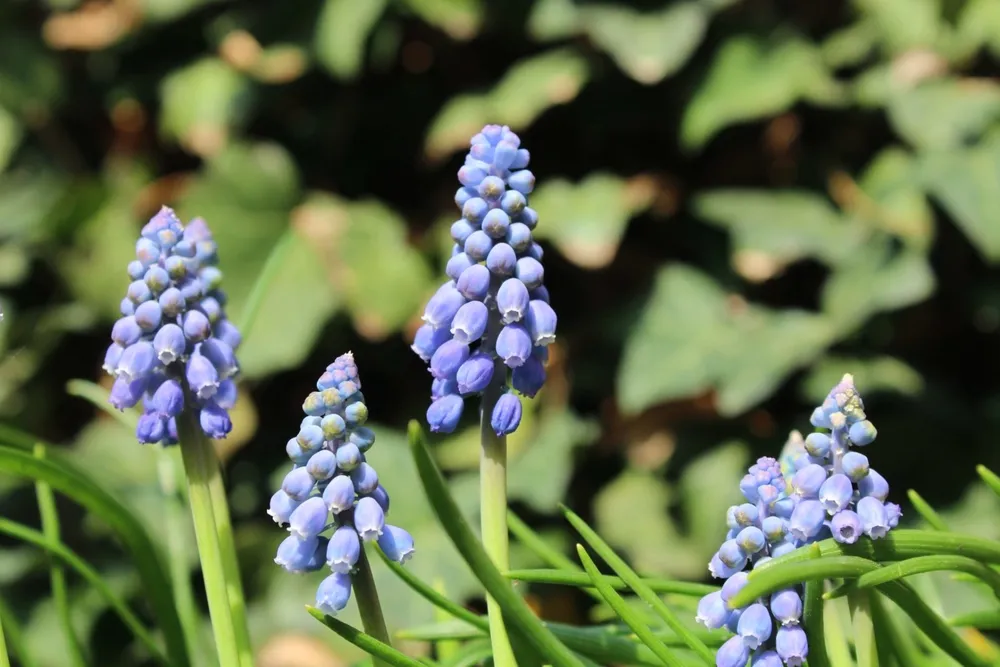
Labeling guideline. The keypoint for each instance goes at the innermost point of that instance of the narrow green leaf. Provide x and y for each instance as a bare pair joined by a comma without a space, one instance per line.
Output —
365,642
620,607
863,630
889,634
66,479
272,265
987,619
4,658
14,634
837,645
812,620
450,517
924,509
470,655
636,583
766,580
91,576
443,649
990,478
538,546
443,630
922,564
581,580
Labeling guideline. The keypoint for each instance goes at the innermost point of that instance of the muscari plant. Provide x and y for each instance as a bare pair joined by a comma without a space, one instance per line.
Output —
817,524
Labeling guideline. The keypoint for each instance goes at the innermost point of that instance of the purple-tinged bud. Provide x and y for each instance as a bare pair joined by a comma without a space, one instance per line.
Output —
295,452
221,356
295,555
202,376
751,539
819,419
492,188
818,445
343,551
148,316
461,230
215,421
478,245
845,526
502,260
712,612
496,223
196,326
530,272
523,181
745,515
836,492
365,479
314,405
512,300
807,520
281,507
862,433
381,496
111,358
519,237
126,307
333,594
529,217
138,291
474,283
147,252
541,322
396,544
464,194
136,361
474,210
156,280
474,374
150,429
227,332
855,465
168,400
169,344
442,307
470,321
506,414
786,605
513,202
529,377
225,395
893,512
733,585
734,653
807,481
443,387
135,270
874,518
322,465
504,154
369,519
755,626
873,484
748,486
212,308
339,494
309,519
732,555
428,339
774,528
458,264
172,302
720,570
348,457
126,331
448,358
521,159
767,659
513,345
298,484
444,413
792,645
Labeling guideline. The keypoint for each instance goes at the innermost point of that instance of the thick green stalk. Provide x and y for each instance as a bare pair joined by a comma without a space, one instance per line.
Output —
200,466
57,576
493,509
368,605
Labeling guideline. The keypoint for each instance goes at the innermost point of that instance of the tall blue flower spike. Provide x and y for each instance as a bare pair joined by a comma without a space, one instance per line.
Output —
493,317
332,500
173,331
821,488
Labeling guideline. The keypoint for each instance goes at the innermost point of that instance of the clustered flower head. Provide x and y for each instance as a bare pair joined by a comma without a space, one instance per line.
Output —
173,331
331,478
494,313
829,491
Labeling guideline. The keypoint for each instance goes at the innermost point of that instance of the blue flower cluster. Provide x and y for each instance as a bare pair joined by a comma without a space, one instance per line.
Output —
331,477
494,313
173,331
830,491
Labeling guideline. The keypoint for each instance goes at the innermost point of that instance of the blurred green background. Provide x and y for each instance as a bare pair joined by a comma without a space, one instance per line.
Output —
740,200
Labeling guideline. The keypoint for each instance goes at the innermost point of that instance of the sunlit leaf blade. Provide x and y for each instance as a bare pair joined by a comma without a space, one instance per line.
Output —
989,477
581,580
364,641
538,546
921,564
766,580
863,630
636,583
516,611
924,509
65,479
987,619
812,620
470,655
617,603
14,634
891,638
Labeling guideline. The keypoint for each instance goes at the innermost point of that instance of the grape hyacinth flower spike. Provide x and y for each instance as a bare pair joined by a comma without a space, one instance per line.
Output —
331,500
173,346
487,330
821,488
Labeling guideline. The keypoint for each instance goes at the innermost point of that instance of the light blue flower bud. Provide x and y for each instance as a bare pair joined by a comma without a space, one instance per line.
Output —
751,539
470,321
138,291
221,356
214,421
461,230
136,362
172,302
783,507
491,188
168,400
464,194
786,546
225,395
733,653
135,270
343,551
504,154
733,621
862,433
474,210
298,484
819,419
227,332
786,605
471,176
309,518
874,518
774,528
348,457
712,612
893,512
732,555
381,496
836,492
210,277
732,586
530,272
529,377
333,594
148,316
296,453
112,356
720,570
314,405
807,519
746,515
150,429
147,252
126,307
296,555
365,479
519,237
541,323
513,345
502,260
767,659
322,465
333,426
201,376
855,465
458,264
281,507
396,544
444,413
126,331
369,519
474,283
512,300
496,223
196,326
792,645
339,494
807,481
512,203
818,445
845,526
448,358
873,484
362,437
523,181
156,279
529,217
478,245
175,265
474,374
755,626
356,414
442,307
506,414
169,344
535,252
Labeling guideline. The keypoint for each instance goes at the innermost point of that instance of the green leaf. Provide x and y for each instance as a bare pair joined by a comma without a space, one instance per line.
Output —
471,654
65,479
202,104
461,19
581,580
881,374
988,476
987,619
342,30
891,638
30,74
14,634
890,198
364,641
10,137
904,25
945,113
692,338
529,87
921,564
926,511
623,611
978,26
812,621
964,182
586,220
751,79
519,616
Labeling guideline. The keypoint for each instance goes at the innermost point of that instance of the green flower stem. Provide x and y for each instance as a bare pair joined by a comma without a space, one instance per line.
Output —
200,467
368,605
493,510
50,528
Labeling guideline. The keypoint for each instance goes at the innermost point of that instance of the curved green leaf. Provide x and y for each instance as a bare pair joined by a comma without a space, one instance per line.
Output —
14,634
620,607
812,620
64,478
923,564
766,580
987,619
364,641
581,580
515,610
470,655
887,630
924,509
989,477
